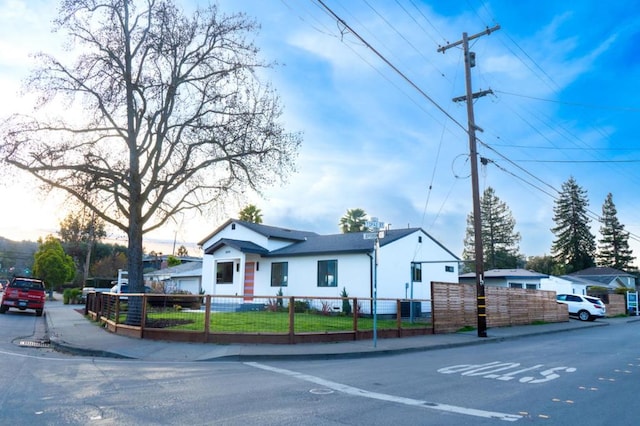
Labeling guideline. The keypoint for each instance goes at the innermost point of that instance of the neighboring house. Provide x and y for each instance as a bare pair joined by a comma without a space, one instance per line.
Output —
186,277
607,277
567,284
509,278
154,262
244,258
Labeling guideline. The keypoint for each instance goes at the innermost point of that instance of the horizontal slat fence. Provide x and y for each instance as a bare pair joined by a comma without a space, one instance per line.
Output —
455,306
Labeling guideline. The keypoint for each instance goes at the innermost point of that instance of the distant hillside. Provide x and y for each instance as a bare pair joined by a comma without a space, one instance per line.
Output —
16,257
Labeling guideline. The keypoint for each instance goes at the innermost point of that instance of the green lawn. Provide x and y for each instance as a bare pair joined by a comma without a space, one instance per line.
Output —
268,322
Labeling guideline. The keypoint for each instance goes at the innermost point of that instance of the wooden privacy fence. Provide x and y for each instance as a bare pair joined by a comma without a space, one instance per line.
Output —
232,319
616,304
455,306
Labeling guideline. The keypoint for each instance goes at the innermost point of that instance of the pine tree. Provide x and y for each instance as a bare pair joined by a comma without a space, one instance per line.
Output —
499,241
574,247
613,250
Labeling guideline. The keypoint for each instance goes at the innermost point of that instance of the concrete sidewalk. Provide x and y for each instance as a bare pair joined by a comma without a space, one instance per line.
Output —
69,331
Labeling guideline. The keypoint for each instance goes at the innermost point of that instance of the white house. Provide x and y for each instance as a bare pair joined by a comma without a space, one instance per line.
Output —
566,284
186,277
510,278
244,258
607,277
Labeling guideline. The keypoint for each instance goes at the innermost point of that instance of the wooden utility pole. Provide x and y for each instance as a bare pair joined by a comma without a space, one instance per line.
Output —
469,62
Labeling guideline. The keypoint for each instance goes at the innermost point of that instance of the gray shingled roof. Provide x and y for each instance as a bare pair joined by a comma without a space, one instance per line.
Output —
265,230
305,242
507,273
579,280
277,232
240,245
352,242
601,271
181,269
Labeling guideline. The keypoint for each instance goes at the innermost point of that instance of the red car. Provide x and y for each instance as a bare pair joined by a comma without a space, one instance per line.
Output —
24,293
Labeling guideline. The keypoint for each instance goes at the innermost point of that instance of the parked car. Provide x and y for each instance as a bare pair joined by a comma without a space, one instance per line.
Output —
124,288
121,288
24,293
586,308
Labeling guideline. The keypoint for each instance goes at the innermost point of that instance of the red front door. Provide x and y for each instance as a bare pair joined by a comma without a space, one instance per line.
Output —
249,272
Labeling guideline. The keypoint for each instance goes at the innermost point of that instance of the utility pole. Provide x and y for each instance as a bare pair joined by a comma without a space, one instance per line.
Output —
469,62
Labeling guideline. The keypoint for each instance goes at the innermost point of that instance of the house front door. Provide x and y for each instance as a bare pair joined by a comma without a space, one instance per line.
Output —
249,272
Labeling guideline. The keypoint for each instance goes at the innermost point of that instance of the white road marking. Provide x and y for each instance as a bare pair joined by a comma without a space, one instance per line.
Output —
350,390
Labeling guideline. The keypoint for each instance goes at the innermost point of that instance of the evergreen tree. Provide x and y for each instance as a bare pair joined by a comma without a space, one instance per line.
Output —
499,240
613,250
79,232
574,247
353,221
543,264
52,264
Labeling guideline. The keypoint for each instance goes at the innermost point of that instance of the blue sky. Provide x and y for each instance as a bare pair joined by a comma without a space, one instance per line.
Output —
565,103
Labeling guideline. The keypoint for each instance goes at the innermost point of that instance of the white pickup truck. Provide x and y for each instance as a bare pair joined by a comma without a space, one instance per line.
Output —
116,286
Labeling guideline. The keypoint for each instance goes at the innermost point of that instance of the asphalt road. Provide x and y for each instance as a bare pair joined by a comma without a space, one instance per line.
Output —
586,377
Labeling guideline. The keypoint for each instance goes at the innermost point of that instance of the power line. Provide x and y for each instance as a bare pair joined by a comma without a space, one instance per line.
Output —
578,104
391,65
577,161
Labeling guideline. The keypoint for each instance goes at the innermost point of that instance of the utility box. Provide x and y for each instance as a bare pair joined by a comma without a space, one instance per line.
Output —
405,309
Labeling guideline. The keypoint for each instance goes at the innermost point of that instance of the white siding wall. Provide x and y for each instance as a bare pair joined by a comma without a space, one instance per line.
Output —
506,282
245,234
354,270
394,267
209,263
209,267
562,286
208,274
303,276
192,285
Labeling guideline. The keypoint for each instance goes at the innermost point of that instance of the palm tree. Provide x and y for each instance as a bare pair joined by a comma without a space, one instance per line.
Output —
353,221
250,214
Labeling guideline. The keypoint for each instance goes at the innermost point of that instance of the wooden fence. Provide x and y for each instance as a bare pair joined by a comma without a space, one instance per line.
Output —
455,306
276,320
452,307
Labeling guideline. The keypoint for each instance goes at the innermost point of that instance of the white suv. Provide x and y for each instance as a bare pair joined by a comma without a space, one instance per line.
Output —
586,308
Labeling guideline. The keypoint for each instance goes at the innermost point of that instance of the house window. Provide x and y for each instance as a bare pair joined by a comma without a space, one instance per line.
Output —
416,272
532,286
279,274
327,273
224,273
515,285
449,269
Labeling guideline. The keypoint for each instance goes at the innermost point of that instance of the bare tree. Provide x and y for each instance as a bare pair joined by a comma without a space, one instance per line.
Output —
164,113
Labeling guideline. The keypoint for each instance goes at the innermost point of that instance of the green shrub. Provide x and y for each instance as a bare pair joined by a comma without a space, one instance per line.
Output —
346,306
66,296
71,296
300,306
